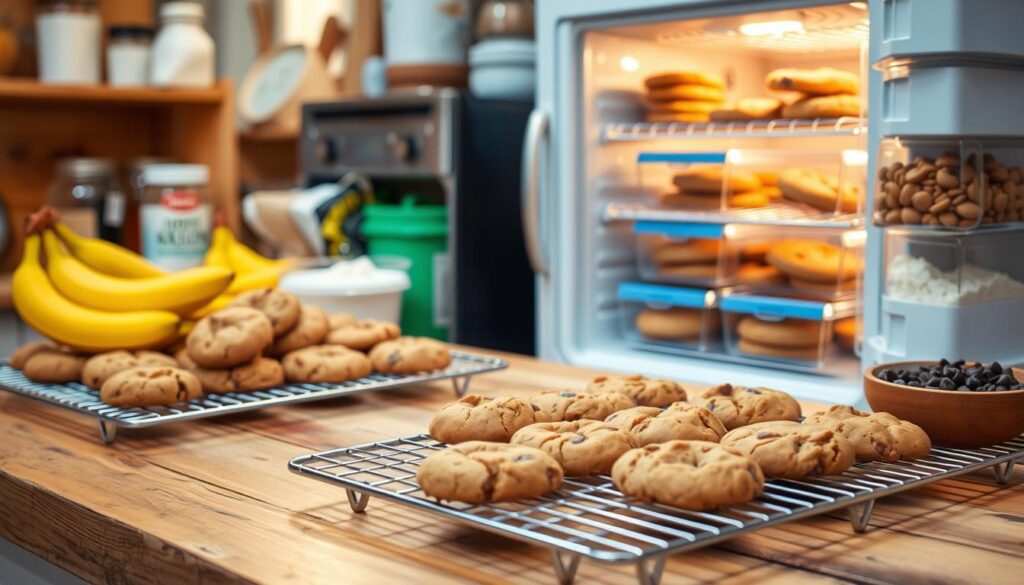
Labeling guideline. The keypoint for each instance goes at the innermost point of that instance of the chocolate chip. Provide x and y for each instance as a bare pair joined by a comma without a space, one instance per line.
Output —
766,435
488,489
523,457
754,391
900,381
578,439
567,394
711,405
535,407
996,368
947,384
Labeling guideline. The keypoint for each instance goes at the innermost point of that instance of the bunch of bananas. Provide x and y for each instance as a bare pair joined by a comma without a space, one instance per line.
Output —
96,296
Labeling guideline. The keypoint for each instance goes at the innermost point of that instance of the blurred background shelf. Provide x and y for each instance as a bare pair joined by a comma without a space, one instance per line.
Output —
787,214
22,89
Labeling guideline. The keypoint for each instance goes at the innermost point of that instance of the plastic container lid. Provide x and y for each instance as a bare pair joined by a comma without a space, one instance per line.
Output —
409,219
191,10
175,174
346,278
130,31
503,52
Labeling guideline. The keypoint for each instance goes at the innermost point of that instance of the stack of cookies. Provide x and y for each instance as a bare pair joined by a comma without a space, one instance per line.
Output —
821,93
711,453
690,260
683,96
705,186
814,267
262,339
819,190
791,339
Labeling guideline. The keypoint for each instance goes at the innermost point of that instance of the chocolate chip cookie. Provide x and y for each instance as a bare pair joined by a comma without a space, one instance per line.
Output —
737,406
695,475
364,334
476,472
49,364
104,365
582,447
681,421
568,405
310,330
644,391
259,374
280,307
791,450
339,320
229,337
479,418
877,436
410,355
27,350
148,386
325,363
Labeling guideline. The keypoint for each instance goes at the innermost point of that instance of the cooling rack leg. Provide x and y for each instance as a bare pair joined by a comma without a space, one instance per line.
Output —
357,500
461,385
565,566
650,575
1003,471
108,432
860,515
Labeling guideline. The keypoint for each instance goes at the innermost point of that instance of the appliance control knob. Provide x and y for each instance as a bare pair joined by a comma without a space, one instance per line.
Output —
403,148
326,150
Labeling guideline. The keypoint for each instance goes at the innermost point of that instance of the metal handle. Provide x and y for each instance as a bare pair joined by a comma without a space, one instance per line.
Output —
536,131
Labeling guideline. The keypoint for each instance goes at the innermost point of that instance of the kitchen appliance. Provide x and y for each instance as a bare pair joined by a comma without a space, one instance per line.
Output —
449,148
593,169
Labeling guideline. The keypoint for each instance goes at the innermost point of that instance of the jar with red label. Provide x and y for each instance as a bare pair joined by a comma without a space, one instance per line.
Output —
175,215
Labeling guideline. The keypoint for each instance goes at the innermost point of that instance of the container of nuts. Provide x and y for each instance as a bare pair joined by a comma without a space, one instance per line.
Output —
958,403
948,184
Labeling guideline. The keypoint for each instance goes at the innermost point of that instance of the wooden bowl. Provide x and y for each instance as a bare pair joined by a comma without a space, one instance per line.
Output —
951,419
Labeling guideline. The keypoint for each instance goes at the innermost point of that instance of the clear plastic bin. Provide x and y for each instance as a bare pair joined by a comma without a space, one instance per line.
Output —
815,263
784,332
949,184
918,29
953,295
671,317
681,253
769,182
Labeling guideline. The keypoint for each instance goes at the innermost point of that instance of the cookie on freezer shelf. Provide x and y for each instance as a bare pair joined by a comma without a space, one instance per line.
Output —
479,418
820,81
569,405
229,337
410,355
477,472
280,307
791,450
643,390
581,447
325,364
709,179
877,436
784,333
748,109
150,386
671,78
675,324
310,330
680,421
259,374
818,190
104,365
845,331
814,261
685,92
808,354
829,106
738,406
690,251
683,107
693,475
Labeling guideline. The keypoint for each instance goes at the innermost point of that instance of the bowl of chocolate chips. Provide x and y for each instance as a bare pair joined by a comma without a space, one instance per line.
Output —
958,403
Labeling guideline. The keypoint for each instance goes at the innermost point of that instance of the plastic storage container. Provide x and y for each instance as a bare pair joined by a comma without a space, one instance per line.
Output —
361,287
916,29
502,68
681,253
790,333
175,215
669,318
964,293
951,184
815,263
418,232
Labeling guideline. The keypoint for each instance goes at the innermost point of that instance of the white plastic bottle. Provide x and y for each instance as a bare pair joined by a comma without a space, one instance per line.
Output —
183,50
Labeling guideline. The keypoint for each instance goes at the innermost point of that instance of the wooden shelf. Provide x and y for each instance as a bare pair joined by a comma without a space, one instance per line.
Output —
15,89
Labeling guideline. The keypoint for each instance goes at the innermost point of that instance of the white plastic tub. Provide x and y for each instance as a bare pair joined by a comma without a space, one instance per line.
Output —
503,69
356,286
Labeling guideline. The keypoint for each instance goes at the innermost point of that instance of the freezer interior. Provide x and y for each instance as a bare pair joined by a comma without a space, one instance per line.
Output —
614,174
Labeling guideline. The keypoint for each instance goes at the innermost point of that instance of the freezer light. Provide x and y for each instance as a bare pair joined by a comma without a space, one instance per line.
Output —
629,63
773,27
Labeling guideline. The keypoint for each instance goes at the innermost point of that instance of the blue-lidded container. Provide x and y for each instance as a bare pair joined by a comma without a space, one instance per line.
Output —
674,317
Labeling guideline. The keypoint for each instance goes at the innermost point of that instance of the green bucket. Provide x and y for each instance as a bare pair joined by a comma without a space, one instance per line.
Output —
418,232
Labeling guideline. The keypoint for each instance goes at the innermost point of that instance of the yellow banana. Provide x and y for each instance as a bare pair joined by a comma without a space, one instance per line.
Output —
244,259
211,307
180,292
265,278
217,254
106,257
53,315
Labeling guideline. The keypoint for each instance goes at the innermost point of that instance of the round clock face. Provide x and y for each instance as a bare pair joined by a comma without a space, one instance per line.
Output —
275,82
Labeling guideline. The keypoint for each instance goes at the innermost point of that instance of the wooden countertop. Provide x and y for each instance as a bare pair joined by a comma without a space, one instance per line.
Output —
211,501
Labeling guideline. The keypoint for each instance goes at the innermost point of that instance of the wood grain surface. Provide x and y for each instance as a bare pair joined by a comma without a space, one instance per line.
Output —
211,501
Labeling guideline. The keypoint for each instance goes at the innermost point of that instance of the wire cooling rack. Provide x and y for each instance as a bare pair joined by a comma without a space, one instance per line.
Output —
84,400
589,518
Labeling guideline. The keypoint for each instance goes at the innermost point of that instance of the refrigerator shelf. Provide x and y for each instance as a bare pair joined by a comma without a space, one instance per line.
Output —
637,131
84,400
787,214
589,517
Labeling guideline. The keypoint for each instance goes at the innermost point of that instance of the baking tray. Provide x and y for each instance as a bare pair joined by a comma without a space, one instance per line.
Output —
589,518
84,400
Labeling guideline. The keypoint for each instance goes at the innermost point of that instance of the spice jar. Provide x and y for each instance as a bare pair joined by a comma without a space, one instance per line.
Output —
69,41
86,193
183,50
128,50
175,215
